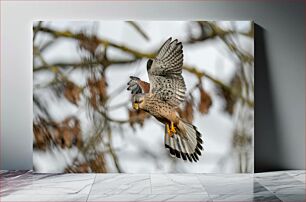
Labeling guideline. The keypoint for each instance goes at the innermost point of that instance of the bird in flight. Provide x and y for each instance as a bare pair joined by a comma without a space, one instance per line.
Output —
162,97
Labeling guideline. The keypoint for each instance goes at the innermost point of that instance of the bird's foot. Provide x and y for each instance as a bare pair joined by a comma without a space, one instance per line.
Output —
173,128
168,130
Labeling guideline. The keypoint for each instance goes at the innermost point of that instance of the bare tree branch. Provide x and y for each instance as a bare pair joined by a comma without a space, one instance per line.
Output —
139,29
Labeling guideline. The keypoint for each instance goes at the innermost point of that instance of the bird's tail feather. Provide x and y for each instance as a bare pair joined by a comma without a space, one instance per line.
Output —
186,143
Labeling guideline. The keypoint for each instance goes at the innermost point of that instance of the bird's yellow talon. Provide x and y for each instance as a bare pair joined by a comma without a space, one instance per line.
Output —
172,128
168,130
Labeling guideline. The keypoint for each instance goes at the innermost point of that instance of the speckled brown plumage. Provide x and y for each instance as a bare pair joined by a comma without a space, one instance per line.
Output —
166,92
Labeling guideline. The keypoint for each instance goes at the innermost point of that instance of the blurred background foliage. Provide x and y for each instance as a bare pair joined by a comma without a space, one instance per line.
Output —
82,135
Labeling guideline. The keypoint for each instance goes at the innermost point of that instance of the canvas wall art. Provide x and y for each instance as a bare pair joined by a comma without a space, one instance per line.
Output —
143,96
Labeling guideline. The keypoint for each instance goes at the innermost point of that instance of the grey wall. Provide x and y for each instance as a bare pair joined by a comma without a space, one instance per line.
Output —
280,62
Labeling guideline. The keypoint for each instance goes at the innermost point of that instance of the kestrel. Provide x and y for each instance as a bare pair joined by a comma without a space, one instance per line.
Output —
162,97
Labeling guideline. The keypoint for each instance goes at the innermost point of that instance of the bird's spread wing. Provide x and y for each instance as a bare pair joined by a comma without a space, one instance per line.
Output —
136,86
165,73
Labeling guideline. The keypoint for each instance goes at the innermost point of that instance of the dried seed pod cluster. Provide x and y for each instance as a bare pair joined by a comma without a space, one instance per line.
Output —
89,43
205,101
96,164
72,92
64,134
137,117
98,91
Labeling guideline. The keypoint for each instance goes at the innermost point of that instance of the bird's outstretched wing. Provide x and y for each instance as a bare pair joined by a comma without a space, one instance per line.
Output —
165,73
136,86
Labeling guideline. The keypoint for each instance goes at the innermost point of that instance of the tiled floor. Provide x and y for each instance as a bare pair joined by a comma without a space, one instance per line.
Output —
272,186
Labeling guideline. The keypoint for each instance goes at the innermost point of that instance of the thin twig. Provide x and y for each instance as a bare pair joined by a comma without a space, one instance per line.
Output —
138,29
83,64
201,74
105,42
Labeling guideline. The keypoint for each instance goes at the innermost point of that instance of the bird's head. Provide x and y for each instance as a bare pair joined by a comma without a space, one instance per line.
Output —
138,101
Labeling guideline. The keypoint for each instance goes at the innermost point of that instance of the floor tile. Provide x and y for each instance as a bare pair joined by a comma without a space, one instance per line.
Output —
217,184
245,198
151,197
121,184
13,173
176,184
50,184
273,186
282,183
298,175
292,197
43,198
266,198
3,171
260,189
14,181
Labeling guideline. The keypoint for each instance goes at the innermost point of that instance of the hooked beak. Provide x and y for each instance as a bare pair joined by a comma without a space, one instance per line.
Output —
136,106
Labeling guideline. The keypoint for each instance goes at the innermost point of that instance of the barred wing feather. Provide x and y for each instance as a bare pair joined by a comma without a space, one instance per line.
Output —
165,73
